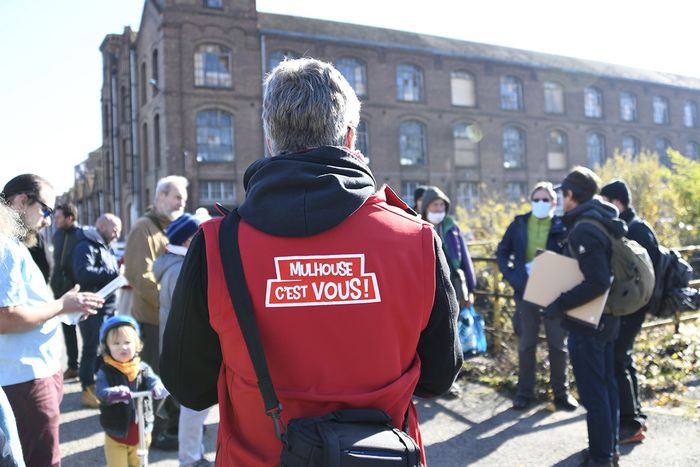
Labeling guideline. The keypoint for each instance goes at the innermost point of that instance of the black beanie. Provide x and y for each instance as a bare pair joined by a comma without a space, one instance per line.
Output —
617,189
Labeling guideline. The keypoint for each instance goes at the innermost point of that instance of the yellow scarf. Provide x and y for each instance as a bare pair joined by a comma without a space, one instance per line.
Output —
129,369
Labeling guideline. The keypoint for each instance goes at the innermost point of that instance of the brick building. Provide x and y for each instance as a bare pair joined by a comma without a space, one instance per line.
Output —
183,96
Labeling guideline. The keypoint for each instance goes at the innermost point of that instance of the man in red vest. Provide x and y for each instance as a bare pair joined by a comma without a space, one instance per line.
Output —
350,290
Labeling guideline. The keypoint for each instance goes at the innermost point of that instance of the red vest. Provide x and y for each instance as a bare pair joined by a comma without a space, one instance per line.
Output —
340,314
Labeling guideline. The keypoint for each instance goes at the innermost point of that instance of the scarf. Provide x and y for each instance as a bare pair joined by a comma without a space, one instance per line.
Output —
129,369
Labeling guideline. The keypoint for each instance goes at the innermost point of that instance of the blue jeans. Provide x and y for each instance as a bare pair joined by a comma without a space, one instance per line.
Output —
593,362
90,333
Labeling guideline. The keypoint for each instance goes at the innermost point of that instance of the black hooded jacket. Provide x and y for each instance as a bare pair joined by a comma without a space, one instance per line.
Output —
297,195
592,250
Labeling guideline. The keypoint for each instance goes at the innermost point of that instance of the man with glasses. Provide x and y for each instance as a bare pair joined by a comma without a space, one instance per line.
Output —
30,342
538,229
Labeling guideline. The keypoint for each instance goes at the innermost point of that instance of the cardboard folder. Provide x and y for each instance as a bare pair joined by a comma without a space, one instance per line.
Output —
553,274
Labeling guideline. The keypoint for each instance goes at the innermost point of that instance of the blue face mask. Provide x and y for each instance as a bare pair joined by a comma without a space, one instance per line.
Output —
541,209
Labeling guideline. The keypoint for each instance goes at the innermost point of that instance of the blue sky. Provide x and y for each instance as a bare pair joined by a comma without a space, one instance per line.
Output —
51,75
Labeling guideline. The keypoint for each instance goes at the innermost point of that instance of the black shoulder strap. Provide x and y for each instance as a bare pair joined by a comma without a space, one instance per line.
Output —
243,306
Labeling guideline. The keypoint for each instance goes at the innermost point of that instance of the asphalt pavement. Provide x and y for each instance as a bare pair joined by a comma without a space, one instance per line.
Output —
478,429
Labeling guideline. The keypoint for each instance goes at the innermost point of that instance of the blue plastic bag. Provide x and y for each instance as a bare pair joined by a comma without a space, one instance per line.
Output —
471,332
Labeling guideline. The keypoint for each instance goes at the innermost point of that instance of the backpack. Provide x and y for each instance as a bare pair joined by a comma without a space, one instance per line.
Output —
670,295
633,274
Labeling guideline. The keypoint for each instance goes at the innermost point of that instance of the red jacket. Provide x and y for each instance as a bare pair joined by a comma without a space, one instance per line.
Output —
340,316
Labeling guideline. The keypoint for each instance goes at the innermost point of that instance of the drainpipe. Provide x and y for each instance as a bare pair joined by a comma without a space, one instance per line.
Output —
116,150
135,144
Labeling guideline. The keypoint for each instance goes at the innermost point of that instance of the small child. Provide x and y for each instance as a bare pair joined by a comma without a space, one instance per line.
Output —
121,373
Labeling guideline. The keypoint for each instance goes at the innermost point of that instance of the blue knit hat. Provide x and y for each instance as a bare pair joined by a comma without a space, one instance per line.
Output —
183,228
116,321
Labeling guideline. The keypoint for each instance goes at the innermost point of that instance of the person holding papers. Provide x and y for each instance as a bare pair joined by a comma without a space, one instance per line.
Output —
591,349
94,266
536,230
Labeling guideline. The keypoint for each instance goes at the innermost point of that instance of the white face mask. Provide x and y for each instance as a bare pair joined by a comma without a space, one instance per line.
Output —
435,217
541,210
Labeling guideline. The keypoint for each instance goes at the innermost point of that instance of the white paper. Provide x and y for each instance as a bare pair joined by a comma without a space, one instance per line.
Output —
112,287
71,318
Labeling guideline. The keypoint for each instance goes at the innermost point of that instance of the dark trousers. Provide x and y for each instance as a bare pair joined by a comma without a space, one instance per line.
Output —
167,412
71,340
526,323
631,415
36,407
90,333
593,362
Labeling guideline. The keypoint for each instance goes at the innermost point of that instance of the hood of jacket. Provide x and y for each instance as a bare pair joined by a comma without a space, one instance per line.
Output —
431,194
600,211
165,262
93,235
306,193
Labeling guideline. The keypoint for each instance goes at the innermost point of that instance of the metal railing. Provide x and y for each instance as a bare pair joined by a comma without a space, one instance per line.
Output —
494,295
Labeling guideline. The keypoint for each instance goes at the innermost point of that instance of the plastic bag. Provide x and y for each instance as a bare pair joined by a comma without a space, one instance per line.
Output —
471,332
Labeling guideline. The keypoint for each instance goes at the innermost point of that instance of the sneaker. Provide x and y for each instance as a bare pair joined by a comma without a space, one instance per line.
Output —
566,402
88,398
164,442
632,436
455,391
587,461
70,373
521,402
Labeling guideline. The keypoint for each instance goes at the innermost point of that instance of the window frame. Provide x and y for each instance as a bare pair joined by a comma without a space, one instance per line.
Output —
592,102
473,140
602,154
512,93
522,136
563,145
211,78
660,104
635,148
357,65
690,118
628,105
550,90
219,114
404,140
469,82
410,83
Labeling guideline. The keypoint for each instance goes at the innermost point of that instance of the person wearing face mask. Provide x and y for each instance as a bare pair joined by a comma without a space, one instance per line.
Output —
536,230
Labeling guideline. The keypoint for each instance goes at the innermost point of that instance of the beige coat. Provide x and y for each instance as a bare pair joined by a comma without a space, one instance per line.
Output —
146,242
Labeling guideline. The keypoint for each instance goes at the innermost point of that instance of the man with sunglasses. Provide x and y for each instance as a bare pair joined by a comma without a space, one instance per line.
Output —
538,229
30,341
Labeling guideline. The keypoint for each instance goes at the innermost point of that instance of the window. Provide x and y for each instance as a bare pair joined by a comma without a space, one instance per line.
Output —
662,146
556,150
511,93
143,80
660,107
467,194
144,148
692,150
553,98
154,73
593,102
466,144
409,83
213,3
212,66
690,114
278,56
362,139
156,142
463,89
513,148
412,143
214,136
354,71
407,190
211,191
630,146
595,149
628,107
516,191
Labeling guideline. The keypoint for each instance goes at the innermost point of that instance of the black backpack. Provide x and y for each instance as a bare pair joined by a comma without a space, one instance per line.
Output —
671,291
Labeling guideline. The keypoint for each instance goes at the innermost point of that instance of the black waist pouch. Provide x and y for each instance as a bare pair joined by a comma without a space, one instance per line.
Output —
348,438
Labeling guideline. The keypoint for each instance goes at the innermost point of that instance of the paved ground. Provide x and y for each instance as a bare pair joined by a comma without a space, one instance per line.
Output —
479,429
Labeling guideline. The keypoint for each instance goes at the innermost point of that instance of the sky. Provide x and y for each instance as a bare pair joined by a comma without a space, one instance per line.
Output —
52,69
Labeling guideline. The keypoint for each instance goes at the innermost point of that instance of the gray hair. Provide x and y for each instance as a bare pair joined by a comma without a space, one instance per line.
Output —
10,223
307,103
546,186
166,183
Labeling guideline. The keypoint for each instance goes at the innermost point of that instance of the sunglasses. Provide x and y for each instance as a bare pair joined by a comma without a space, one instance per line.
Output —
541,200
46,211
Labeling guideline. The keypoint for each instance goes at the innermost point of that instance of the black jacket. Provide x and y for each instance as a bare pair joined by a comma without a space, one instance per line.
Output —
592,250
64,242
510,253
291,196
94,264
